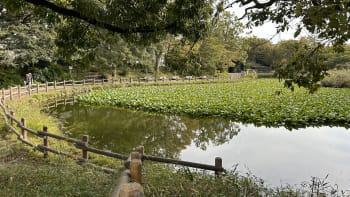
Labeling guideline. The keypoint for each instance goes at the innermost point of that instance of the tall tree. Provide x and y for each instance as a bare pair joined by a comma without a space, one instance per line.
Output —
151,20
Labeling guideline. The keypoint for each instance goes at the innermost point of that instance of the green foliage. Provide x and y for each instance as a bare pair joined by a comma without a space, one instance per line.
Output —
10,77
302,63
337,79
215,52
25,40
250,101
327,19
260,51
336,60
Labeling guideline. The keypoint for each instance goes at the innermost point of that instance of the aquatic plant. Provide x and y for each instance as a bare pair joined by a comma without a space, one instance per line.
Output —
262,102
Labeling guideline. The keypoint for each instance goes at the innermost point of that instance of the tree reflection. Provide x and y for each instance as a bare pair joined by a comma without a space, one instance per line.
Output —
120,130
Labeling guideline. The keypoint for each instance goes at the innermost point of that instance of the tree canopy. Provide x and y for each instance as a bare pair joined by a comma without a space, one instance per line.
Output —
82,24
327,18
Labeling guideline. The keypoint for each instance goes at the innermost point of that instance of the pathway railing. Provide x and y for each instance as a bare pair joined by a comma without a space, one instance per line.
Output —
19,91
131,178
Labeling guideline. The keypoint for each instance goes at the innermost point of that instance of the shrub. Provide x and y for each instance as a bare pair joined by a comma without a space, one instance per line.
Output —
337,79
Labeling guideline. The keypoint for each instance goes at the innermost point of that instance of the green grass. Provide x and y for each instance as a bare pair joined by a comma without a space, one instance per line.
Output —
262,102
25,174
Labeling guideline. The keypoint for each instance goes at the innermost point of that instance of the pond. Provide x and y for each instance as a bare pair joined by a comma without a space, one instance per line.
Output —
277,155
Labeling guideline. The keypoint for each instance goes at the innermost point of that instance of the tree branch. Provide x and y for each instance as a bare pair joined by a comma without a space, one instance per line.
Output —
257,3
75,14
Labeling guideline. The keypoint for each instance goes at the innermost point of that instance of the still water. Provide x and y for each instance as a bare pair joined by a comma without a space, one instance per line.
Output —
277,155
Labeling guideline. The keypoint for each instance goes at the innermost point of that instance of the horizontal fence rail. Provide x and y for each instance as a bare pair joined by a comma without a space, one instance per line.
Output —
131,178
19,91
81,144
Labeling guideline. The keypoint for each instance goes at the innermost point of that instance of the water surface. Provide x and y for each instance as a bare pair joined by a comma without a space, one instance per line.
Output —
277,155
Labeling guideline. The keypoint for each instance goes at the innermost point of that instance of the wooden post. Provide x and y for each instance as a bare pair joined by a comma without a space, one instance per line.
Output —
24,132
120,80
130,79
37,88
46,141
65,101
10,93
46,87
84,82
86,141
136,167
218,166
72,83
30,91
103,81
93,82
12,114
55,84
3,93
55,102
64,84
19,91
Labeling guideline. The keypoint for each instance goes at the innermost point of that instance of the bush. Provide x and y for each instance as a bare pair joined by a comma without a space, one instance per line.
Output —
337,79
10,77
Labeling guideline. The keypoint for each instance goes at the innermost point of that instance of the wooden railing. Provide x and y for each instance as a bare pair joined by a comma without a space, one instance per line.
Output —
19,91
131,178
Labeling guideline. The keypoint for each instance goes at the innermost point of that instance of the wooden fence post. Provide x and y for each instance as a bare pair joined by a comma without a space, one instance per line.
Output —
24,132
64,84
130,80
12,114
72,83
46,141
30,91
10,93
93,82
86,142
3,93
136,167
37,88
46,87
120,80
19,91
218,166
55,84
83,82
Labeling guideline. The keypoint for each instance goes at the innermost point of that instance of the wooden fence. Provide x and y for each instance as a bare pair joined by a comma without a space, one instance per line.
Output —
19,91
130,182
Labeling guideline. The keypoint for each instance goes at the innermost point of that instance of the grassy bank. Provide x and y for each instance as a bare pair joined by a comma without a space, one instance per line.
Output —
263,102
24,171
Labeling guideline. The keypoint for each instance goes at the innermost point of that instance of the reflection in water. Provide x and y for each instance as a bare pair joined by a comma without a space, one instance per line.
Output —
275,154
120,130
280,156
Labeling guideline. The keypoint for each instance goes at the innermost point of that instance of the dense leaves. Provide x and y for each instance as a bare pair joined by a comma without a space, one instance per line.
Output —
263,102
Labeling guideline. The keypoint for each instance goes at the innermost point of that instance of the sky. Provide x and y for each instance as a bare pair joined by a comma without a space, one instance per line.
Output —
268,30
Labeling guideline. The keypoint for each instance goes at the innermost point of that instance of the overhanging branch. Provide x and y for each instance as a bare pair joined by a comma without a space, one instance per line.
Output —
75,14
